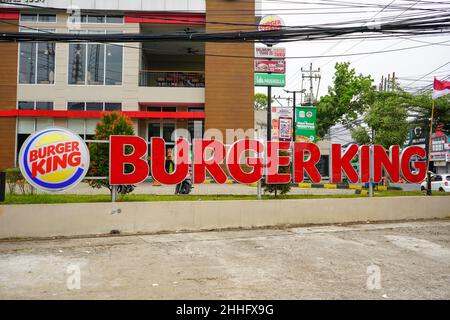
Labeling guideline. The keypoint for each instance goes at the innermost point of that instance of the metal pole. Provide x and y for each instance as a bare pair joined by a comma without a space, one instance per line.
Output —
114,194
430,145
293,116
269,113
371,172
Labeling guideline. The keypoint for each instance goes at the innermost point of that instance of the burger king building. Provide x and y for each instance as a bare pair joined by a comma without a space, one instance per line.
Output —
161,86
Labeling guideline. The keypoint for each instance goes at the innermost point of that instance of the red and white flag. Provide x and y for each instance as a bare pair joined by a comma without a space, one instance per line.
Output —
441,88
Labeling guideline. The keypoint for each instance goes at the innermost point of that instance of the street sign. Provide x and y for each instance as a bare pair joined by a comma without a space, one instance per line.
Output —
274,66
270,53
266,79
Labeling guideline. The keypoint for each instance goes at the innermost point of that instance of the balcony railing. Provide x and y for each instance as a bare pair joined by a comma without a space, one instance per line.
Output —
191,79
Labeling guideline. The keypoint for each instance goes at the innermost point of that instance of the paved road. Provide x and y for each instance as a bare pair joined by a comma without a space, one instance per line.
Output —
373,261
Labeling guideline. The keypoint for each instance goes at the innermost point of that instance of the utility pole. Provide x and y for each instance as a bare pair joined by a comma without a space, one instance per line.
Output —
311,75
293,110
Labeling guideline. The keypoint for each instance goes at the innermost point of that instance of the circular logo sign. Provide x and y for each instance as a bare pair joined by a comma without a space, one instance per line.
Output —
271,23
54,160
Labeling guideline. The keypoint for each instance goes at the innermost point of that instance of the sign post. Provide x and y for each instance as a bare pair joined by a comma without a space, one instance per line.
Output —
305,124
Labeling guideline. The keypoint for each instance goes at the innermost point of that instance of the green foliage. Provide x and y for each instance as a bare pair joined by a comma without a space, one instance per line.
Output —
261,101
421,105
111,124
15,179
385,120
281,189
349,96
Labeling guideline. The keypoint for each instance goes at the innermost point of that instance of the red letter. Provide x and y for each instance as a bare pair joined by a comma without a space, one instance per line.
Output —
212,165
390,164
158,162
276,161
421,166
342,162
364,164
234,165
33,155
118,160
300,165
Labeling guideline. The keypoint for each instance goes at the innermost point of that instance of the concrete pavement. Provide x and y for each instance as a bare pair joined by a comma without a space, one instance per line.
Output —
408,260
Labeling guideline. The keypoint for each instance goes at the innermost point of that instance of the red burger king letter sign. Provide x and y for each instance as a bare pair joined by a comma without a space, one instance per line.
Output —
245,163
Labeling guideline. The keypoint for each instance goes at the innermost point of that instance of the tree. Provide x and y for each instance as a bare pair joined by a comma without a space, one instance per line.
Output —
421,111
111,124
279,188
385,121
261,101
348,97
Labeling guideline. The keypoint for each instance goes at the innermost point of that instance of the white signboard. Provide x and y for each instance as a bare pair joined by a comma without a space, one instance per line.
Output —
270,53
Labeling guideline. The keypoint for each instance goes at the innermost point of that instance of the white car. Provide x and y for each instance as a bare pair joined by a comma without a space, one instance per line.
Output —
439,182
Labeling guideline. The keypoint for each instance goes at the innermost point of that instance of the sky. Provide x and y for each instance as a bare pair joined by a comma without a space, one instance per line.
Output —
409,64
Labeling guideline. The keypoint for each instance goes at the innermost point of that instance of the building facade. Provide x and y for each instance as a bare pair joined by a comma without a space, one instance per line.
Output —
161,86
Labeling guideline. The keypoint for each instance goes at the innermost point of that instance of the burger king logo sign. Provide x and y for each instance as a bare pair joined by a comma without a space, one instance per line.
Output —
54,160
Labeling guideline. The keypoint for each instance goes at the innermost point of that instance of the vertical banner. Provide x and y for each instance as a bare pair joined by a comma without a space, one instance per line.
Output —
282,118
305,124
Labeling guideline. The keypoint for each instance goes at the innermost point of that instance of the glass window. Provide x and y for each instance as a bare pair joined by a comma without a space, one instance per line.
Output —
91,125
44,105
76,125
114,60
114,19
112,106
26,105
75,106
77,63
168,129
96,64
43,123
83,18
448,178
27,69
153,130
94,106
96,19
154,109
46,63
28,17
47,18
25,125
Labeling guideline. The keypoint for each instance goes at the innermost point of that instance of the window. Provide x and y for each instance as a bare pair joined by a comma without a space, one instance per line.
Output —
28,126
94,106
96,19
85,128
95,64
436,178
31,105
37,63
41,18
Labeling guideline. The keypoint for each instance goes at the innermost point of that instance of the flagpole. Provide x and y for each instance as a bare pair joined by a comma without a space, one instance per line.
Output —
430,141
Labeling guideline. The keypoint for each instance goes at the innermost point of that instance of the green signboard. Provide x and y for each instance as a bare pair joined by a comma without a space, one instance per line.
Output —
270,79
305,124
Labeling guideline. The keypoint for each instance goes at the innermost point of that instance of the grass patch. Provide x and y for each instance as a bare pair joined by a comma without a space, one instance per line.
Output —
62,198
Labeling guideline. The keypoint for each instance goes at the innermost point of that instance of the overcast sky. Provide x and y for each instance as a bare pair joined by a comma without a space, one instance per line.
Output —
412,63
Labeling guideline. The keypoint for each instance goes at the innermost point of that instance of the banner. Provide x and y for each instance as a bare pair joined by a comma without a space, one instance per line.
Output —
305,124
282,126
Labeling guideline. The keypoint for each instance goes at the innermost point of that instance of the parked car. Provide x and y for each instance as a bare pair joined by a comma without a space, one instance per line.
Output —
439,182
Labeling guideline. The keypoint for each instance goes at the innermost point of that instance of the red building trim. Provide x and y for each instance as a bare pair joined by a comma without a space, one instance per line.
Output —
166,18
9,15
98,114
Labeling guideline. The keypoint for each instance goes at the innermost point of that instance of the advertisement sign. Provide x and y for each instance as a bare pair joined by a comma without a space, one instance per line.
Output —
54,160
271,23
270,53
282,128
274,66
305,124
274,80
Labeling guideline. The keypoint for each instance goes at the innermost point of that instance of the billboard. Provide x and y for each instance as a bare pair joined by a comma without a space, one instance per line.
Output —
274,66
270,53
305,124
282,127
